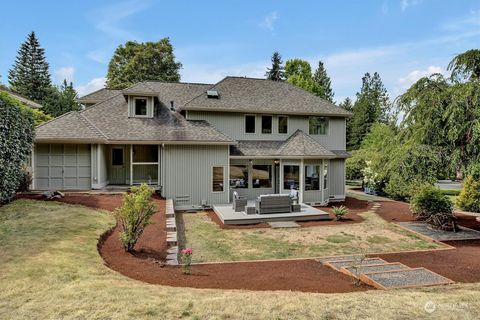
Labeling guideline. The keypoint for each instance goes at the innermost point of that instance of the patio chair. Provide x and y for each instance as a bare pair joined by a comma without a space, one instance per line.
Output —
239,202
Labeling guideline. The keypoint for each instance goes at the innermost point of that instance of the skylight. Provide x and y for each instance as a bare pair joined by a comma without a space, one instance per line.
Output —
212,93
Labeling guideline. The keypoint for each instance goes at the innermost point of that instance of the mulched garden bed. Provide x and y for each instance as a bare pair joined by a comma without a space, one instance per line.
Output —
397,211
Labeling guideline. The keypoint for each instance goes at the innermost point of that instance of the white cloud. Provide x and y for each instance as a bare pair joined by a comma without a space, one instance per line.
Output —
93,85
405,4
65,73
269,20
465,22
407,81
109,19
100,55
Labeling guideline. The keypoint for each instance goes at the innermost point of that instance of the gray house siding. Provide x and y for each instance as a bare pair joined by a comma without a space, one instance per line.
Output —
337,179
187,174
233,125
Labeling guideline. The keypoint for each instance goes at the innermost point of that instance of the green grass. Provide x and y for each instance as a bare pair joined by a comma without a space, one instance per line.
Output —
213,244
50,269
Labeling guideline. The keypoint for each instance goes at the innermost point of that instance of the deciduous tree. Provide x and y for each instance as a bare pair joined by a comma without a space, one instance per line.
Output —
135,62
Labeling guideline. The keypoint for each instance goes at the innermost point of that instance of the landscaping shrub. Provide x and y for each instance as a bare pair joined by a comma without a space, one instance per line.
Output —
186,260
134,215
339,212
469,198
16,140
25,181
430,205
354,166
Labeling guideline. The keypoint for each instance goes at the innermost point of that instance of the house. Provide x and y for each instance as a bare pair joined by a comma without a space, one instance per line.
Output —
198,142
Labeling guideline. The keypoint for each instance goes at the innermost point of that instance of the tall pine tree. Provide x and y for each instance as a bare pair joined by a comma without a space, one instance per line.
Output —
372,106
323,83
276,72
347,104
61,100
30,76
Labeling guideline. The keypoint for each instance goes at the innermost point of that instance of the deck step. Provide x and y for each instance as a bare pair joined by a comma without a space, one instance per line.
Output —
172,262
409,278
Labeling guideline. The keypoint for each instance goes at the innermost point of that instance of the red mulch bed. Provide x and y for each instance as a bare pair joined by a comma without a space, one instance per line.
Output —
296,275
397,211
461,264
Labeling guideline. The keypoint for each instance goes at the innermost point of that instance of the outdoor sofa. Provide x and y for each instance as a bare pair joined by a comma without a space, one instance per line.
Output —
273,203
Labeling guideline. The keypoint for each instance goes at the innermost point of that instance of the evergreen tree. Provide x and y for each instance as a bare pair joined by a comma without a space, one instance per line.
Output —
347,104
29,76
276,72
372,106
61,100
323,83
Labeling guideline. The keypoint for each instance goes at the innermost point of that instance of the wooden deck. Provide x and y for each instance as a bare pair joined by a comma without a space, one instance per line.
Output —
307,213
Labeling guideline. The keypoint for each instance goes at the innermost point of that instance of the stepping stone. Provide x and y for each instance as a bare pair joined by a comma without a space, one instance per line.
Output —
410,278
366,269
283,224
337,265
324,260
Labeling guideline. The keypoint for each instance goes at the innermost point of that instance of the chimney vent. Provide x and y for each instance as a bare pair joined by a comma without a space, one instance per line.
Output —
172,106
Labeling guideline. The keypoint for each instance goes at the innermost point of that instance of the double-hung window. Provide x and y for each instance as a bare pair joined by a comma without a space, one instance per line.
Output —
318,125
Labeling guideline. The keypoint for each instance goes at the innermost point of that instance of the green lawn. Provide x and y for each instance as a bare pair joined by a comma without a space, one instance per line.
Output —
50,269
374,235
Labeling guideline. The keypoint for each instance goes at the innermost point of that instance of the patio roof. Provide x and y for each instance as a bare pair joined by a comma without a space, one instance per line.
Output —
298,144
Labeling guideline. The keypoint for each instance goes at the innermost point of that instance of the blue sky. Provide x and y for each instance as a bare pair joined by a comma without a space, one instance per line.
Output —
401,39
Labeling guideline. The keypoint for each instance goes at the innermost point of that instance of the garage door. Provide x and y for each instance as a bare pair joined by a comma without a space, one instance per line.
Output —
62,166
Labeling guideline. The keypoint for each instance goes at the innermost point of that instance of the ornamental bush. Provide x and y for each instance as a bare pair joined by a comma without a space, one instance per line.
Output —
469,198
431,205
134,215
429,200
339,212
16,141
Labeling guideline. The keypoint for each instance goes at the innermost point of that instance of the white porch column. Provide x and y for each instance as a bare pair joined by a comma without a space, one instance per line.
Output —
131,164
302,182
32,167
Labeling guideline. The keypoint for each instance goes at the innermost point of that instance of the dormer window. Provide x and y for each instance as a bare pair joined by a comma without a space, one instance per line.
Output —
140,107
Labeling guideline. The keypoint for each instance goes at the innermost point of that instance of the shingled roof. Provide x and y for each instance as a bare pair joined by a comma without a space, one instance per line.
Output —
99,95
237,94
108,121
298,144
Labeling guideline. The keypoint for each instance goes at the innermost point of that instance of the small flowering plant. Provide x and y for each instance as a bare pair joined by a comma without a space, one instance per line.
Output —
186,260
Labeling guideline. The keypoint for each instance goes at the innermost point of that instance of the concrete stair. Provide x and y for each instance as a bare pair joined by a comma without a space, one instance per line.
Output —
383,275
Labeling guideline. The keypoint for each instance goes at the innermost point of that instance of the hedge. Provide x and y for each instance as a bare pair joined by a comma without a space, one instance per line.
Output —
16,141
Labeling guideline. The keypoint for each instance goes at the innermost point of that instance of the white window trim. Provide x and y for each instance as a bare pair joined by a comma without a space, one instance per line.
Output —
211,179
320,183
261,123
134,107
245,123
319,134
278,122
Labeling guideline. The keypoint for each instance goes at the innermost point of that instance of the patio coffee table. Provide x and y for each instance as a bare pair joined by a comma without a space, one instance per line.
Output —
250,210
